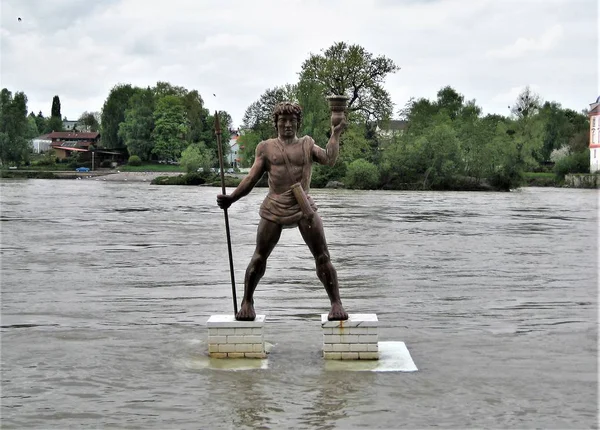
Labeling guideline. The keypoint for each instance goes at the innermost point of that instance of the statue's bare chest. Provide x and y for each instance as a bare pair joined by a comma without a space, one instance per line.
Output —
294,153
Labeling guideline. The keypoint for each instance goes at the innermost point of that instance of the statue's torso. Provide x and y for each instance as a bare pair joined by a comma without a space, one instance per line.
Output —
298,154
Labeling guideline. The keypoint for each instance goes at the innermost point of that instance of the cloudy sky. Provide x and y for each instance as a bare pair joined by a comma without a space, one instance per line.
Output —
488,50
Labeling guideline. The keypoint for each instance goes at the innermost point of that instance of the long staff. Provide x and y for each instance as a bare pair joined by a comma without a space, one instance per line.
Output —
220,147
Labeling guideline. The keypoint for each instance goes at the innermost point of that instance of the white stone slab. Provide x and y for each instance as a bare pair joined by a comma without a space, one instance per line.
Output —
229,321
354,320
393,357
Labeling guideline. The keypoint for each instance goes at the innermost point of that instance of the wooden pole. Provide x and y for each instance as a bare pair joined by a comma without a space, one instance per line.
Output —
221,164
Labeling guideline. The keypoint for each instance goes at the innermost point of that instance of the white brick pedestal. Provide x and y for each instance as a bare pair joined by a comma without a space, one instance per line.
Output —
228,338
353,339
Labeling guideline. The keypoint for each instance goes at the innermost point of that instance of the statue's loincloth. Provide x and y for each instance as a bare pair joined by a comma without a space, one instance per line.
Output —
283,209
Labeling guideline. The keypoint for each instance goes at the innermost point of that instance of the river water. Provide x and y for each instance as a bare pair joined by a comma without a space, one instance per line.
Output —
106,289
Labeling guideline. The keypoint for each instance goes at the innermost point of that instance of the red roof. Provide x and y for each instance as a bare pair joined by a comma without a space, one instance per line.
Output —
73,135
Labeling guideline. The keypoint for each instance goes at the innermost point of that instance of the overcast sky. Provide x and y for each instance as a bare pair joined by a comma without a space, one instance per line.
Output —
487,50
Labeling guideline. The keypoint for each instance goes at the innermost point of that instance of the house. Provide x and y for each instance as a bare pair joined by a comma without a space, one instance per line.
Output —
67,143
41,143
234,149
595,136
391,128
69,125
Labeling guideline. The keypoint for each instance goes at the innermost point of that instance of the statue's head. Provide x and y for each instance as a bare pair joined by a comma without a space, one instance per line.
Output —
287,109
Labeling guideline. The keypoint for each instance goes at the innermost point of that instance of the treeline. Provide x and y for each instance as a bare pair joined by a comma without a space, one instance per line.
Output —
161,123
446,143
17,128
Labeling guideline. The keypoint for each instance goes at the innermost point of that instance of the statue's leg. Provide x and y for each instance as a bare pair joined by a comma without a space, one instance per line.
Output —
267,236
314,236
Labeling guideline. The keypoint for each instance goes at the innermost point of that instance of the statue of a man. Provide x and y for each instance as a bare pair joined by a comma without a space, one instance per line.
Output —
288,160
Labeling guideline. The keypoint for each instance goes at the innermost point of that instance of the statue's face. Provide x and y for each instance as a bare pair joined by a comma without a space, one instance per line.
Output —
287,125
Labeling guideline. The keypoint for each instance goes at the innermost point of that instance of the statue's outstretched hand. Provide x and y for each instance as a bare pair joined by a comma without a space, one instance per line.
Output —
339,129
224,201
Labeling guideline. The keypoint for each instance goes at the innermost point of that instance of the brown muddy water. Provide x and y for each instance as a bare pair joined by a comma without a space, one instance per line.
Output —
106,288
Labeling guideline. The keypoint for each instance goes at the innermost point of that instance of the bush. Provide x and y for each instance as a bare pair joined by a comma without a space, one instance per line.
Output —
578,162
46,161
134,160
322,175
106,163
362,175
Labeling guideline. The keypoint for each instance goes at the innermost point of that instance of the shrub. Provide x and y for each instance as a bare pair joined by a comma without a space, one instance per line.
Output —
134,160
362,175
322,175
578,162
105,163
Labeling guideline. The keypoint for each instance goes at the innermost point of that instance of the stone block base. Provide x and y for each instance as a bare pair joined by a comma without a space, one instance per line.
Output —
228,338
353,339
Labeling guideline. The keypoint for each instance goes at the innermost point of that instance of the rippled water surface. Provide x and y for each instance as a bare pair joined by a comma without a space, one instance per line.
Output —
106,289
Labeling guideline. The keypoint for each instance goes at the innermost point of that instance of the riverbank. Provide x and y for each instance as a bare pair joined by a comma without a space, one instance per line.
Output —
232,180
98,175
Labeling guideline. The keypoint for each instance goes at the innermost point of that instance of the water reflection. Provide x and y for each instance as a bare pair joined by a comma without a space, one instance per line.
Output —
244,397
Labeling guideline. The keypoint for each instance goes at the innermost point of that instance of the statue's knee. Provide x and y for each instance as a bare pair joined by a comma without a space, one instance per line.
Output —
322,259
257,262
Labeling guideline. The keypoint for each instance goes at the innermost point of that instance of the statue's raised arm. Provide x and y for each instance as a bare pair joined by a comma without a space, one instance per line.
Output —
329,155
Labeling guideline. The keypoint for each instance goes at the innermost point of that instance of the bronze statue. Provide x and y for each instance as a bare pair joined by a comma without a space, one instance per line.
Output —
288,160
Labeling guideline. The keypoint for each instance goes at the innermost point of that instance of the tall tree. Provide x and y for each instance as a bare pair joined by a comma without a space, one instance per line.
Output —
55,112
41,122
90,120
14,144
136,131
355,72
113,114
528,103
32,129
167,89
259,115
170,128
197,115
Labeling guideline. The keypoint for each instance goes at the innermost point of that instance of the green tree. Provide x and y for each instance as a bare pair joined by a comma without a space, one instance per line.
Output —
162,89
14,145
113,114
197,116
196,156
90,120
259,115
528,104
316,116
170,128
55,111
136,131
225,122
32,130
354,144
355,72
248,141
40,122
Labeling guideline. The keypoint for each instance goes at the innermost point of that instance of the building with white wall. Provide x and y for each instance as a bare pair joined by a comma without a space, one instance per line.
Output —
595,136
41,143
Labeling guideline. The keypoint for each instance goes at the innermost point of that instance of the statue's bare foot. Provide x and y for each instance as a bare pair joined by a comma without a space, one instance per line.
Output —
246,312
337,313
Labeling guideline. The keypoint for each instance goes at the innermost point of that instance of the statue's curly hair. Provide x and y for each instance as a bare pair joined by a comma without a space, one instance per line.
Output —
287,108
